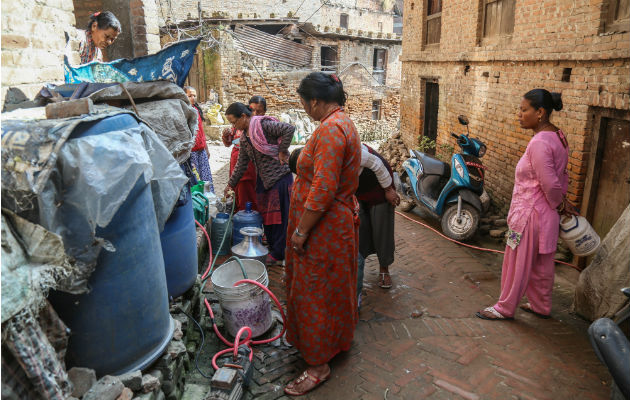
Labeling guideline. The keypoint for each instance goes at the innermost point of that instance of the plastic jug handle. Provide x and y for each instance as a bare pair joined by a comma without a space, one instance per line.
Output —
573,227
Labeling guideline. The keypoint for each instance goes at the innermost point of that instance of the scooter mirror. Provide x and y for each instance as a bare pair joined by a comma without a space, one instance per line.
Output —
462,119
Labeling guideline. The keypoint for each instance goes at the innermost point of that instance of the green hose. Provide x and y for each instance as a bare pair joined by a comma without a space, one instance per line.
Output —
225,234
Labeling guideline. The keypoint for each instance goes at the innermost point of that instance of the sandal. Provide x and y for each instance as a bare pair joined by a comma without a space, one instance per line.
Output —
528,308
381,281
490,314
290,388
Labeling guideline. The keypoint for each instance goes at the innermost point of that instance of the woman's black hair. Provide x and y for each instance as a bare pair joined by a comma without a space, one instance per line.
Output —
104,20
238,109
543,98
293,159
258,100
321,86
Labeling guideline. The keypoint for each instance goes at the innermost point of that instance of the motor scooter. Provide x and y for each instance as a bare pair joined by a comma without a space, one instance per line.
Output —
612,347
453,193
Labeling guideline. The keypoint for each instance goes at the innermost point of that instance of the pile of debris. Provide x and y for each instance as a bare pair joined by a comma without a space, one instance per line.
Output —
394,151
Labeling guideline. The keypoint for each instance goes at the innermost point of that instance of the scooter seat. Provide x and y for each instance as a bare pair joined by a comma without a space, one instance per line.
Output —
433,166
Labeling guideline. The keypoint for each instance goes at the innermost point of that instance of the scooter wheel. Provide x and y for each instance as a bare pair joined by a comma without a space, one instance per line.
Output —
465,227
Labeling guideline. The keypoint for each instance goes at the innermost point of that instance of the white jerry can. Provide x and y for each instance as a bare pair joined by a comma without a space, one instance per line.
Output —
579,235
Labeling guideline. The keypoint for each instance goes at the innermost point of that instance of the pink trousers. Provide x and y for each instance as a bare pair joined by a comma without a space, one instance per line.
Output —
526,272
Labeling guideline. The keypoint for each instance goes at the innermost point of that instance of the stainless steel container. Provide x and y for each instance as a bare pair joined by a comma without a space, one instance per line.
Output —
251,248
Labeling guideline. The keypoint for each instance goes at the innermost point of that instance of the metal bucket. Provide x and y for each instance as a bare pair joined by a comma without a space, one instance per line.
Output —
250,246
245,304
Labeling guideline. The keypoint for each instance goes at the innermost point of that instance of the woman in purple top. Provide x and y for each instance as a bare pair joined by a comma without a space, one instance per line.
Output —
540,186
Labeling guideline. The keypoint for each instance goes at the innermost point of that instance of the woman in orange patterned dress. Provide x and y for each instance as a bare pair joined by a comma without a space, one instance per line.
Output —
321,257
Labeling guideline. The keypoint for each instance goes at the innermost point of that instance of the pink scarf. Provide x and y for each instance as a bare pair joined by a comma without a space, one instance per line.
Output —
257,136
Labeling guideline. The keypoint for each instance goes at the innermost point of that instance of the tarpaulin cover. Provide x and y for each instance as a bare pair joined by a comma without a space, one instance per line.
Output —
89,188
164,107
37,340
598,291
171,63
33,262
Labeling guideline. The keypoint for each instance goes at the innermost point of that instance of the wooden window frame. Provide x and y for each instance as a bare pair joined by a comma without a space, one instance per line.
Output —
335,62
429,18
609,23
341,20
498,37
379,110
382,72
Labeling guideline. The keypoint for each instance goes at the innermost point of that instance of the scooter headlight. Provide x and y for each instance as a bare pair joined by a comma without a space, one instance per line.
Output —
482,150
459,168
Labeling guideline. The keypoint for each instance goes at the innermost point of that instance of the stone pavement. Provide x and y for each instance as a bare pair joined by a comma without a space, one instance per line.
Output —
420,339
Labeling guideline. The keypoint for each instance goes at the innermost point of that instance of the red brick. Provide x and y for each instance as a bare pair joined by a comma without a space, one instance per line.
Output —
457,390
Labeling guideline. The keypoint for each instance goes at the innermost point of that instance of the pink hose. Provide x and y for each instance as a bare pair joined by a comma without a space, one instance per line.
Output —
469,245
233,347
209,250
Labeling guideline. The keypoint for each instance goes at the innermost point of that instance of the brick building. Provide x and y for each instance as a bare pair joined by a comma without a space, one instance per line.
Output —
478,59
267,49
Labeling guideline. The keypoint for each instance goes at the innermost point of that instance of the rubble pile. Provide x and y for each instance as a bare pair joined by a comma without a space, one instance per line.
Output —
162,381
394,151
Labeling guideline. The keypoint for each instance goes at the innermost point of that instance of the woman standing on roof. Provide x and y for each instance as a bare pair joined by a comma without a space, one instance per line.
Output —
102,30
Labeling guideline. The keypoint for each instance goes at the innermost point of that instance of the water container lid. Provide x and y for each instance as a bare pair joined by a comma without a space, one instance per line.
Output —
248,206
222,215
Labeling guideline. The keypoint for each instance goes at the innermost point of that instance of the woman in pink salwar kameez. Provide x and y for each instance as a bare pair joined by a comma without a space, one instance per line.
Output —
540,185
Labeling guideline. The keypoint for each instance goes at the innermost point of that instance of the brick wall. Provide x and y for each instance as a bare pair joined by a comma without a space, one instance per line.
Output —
145,27
33,43
485,79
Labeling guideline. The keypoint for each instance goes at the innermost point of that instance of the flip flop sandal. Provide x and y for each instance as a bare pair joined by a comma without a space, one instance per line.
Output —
528,308
305,375
381,282
496,316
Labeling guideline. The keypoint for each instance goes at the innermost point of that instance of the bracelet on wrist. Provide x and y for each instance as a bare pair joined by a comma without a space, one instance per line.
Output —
299,234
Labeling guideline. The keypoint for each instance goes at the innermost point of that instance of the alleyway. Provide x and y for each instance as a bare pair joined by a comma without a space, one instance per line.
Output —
421,340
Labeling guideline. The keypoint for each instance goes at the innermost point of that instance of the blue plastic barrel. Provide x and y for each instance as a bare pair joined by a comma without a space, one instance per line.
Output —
179,247
221,227
242,219
123,323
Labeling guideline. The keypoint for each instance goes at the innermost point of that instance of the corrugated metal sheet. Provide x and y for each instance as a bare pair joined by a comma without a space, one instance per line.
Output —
270,47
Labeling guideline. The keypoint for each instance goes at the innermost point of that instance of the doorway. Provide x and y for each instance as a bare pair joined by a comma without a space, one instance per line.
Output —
431,107
610,182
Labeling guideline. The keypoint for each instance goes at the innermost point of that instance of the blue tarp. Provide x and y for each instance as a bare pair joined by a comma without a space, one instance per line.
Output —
171,63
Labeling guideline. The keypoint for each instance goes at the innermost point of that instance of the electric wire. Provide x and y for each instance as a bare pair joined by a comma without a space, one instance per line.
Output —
203,339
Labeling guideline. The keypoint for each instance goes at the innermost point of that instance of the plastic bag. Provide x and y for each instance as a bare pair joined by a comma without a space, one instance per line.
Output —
214,115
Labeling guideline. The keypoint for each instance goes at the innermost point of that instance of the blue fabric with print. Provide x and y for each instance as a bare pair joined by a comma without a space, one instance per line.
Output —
171,63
